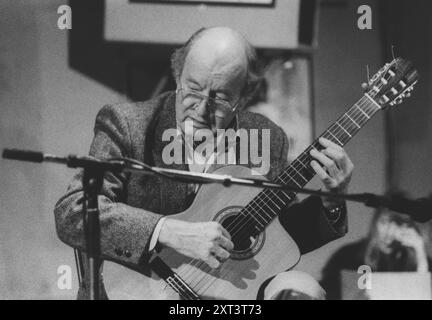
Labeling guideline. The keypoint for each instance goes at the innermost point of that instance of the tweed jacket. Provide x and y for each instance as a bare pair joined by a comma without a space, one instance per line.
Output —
130,205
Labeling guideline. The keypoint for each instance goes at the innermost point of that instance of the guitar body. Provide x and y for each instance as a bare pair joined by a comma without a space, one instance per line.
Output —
239,277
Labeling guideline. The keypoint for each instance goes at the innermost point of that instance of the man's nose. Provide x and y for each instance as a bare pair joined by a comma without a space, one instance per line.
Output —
203,108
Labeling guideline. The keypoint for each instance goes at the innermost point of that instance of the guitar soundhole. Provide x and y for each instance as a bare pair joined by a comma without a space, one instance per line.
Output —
247,242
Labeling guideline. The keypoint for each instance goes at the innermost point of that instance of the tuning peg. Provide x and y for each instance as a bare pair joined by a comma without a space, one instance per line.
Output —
395,102
364,86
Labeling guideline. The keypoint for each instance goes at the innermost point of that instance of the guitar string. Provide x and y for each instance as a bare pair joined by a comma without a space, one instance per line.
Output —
179,289
342,122
336,132
178,284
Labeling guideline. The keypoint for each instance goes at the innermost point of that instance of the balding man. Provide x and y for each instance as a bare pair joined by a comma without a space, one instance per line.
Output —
216,71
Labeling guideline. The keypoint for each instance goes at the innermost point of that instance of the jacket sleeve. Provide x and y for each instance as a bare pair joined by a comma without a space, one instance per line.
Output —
307,221
125,231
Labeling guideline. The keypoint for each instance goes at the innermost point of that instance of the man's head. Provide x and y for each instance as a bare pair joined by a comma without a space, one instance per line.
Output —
217,63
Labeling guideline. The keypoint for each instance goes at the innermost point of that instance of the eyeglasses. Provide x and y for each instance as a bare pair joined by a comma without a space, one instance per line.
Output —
220,106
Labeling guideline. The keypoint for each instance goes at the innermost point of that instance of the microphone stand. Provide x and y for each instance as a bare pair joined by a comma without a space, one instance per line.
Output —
94,170
92,180
92,183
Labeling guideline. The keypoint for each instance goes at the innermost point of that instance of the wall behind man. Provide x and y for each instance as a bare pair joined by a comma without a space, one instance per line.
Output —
409,28
45,105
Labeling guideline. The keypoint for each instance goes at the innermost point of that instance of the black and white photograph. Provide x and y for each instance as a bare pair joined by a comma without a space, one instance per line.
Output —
232,150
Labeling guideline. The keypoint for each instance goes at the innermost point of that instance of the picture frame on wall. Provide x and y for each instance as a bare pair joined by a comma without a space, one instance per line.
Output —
264,3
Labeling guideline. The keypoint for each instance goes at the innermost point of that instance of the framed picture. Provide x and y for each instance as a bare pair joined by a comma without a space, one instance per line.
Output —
266,3
171,22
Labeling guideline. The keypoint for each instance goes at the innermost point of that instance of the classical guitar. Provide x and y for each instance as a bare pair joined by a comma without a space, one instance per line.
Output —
262,247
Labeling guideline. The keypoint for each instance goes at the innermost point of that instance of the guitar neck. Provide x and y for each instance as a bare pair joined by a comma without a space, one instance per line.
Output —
267,203
299,172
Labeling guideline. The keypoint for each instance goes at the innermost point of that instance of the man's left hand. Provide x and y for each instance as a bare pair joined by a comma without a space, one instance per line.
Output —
334,168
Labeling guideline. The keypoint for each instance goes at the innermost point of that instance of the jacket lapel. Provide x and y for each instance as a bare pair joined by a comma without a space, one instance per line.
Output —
173,194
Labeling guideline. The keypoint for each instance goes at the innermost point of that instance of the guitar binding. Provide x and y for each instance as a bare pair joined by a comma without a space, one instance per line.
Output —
244,248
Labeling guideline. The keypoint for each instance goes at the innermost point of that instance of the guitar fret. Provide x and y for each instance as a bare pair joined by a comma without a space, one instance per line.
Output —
299,174
292,179
304,166
255,208
299,166
265,203
273,201
344,129
372,100
256,219
361,110
335,137
274,195
353,120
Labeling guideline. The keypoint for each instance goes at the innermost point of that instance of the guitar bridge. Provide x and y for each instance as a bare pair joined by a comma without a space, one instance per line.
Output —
173,279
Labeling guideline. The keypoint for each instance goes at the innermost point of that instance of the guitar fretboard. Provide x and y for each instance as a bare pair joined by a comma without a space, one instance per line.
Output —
268,203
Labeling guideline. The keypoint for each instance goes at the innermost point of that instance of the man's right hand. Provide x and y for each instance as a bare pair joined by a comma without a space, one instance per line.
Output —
207,241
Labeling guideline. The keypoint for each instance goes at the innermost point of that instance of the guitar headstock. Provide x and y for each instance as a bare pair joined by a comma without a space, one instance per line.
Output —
393,83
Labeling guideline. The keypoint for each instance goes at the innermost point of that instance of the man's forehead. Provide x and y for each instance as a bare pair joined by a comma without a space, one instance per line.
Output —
211,64
204,60
227,79
219,46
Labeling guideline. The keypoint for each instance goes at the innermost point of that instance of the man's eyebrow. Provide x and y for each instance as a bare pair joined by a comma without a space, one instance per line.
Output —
228,92
193,81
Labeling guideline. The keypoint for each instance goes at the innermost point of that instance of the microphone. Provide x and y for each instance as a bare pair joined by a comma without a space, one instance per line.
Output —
23,155
419,210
